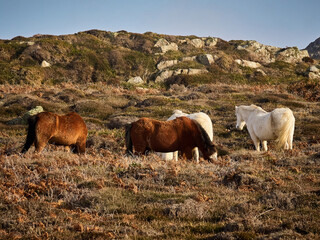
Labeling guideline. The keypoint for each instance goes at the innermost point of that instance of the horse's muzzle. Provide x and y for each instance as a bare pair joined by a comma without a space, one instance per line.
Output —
214,156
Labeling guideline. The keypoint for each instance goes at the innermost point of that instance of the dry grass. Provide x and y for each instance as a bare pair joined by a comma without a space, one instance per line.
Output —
106,195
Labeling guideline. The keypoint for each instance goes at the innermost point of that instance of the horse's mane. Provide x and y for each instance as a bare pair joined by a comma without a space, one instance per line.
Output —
204,135
253,107
177,112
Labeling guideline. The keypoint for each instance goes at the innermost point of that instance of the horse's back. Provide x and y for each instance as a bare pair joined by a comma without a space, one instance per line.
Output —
282,115
72,125
205,121
66,129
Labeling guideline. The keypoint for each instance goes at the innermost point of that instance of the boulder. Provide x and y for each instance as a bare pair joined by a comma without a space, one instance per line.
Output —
314,69
194,71
164,75
26,116
45,64
205,59
258,51
245,63
121,121
135,80
193,58
260,72
211,42
165,46
313,72
291,55
165,64
181,71
197,43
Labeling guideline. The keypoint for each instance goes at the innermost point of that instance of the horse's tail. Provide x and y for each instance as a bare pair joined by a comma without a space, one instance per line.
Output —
31,134
286,130
129,146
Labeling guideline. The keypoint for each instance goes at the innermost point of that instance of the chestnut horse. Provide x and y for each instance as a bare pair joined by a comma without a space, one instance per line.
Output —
66,130
181,134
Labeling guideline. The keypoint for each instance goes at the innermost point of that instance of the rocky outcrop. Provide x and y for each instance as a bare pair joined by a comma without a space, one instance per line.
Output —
205,59
261,53
135,80
313,72
197,43
166,64
165,46
245,63
291,55
163,75
314,49
211,42
266,54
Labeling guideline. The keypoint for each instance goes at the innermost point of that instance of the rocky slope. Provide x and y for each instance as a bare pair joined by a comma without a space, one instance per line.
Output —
115,57
314,49
107,195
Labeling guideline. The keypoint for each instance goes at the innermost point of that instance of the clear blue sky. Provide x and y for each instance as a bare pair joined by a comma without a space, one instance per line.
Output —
278,23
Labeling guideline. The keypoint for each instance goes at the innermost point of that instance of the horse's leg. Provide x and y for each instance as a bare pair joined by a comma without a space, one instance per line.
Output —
286,146
264,145
255,139
81,147
175,156
187,153
39,145
195,153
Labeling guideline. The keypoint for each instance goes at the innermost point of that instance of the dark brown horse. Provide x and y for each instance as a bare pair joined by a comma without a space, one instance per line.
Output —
181,134
66,130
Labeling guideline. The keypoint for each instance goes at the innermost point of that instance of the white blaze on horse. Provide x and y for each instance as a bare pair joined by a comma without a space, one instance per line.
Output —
201,118
264,126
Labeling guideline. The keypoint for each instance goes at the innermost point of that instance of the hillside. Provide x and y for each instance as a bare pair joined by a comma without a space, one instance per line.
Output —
314,49
111,79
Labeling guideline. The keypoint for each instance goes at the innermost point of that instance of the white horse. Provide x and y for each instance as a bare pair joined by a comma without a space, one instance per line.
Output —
263,126
200,117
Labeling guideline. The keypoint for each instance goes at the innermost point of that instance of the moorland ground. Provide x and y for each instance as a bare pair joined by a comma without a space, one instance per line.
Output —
107,195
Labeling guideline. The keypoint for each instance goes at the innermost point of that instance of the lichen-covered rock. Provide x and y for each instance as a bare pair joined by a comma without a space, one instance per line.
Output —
165,46
197,43
163,75
211,42
246,63
45,64
291,55
26,116
165,64
205,59
135,80
121,121
313,72
260,52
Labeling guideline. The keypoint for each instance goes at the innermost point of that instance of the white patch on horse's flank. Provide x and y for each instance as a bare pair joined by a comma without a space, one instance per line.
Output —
202,118
263,126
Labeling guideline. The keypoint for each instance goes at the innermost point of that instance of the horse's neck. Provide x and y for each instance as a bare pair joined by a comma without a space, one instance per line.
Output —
247,112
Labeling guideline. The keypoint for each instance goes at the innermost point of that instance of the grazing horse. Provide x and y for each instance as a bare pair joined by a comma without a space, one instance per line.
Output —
181,134
263,126
66,130
201,118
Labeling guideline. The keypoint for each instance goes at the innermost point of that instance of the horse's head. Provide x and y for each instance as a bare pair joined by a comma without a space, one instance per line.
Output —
240,122
210,152
207,147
